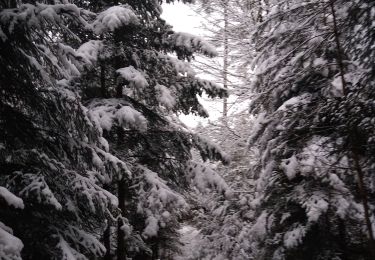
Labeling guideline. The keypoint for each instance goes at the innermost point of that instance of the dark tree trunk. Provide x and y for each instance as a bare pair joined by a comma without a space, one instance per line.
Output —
107,242
103,89
155,251
121,247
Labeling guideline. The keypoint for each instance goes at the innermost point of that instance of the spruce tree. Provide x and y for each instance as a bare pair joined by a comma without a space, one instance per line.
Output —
52,200
312,201
134,103
71,139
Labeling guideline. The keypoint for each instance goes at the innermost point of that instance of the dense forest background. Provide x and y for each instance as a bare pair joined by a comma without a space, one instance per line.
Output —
96,164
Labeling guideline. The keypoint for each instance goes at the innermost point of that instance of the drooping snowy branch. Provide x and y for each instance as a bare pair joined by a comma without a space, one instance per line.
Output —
157,202
106,113
113,18
10,246
185,42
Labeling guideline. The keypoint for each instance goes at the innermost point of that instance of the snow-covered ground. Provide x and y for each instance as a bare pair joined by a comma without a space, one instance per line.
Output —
190,238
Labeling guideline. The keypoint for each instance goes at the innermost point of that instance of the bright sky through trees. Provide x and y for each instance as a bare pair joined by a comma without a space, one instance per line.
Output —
184,19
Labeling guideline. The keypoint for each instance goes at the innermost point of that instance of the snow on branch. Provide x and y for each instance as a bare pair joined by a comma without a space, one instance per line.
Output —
80,238
102,158
294,237
259,125
290,167
315,156
316,205
36,187
179,66
93,195
185,42
89,51
203,177
107,112
209,150
11,199
157,202
34,16
165,96
10,246
134,76
213,90
295,102
114,18
53,57
67,252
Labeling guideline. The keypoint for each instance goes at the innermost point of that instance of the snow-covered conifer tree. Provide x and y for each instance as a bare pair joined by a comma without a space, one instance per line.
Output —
134,87
62,160
53,162
313,198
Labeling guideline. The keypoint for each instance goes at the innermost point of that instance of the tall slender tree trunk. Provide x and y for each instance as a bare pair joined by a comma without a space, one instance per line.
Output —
107,242
340,59
121,183
364,198
121,247
342,239
103,88
155,250
122,194
107,231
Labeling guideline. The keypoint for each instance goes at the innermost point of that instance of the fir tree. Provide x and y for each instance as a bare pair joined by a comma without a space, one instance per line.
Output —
61,160
312,149
134,104
51,196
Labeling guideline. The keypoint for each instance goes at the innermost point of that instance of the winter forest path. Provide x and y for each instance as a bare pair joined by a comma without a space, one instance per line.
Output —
190,241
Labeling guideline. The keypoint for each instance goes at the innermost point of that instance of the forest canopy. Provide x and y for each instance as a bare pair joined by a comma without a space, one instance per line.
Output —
95,162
